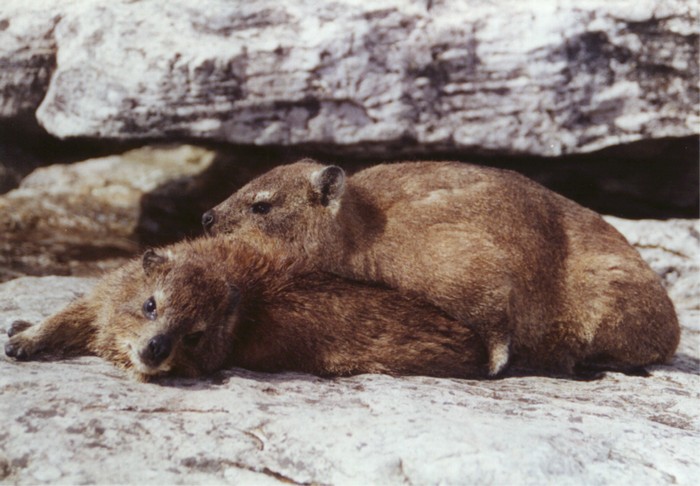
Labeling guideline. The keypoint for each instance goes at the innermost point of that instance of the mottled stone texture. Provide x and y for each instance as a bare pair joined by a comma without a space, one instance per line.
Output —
543,78
73,218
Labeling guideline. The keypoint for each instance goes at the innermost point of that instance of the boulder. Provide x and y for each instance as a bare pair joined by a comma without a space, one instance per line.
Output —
507,77
68,218
84,421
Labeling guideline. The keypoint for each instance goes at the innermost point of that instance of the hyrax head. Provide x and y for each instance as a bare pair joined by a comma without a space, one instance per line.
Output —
186,320
292,203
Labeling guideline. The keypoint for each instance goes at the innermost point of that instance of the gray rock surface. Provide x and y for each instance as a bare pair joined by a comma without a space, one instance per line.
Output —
543,78
82,420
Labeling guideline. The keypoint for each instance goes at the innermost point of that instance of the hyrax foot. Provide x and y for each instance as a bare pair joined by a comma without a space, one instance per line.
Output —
499,353
20,346
18,326
15,350
586,373
582,369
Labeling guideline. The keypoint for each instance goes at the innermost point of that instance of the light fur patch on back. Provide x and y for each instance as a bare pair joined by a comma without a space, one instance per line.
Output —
262,196
439,196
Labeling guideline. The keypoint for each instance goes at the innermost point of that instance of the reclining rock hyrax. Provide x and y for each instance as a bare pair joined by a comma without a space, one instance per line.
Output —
533,273
199,306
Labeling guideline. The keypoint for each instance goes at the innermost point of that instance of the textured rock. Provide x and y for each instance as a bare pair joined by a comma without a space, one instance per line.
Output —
28,54
515,77
83,421
93,209
75,197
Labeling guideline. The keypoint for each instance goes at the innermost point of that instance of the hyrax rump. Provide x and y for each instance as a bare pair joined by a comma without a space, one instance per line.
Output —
199,306
532,272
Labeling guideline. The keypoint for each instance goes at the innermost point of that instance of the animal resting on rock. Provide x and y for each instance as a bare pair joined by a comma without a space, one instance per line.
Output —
199,306
433,269
535,274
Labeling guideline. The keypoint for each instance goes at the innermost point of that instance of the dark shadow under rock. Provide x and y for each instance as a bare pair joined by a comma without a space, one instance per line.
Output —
80,218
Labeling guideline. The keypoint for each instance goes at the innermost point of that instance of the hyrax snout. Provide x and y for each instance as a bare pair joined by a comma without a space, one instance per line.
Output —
157,350
533,273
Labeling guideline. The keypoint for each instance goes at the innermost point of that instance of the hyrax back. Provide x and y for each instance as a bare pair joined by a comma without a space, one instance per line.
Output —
198,306
531,271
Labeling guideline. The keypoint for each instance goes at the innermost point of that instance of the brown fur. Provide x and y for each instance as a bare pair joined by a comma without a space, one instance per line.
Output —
224,303
535,274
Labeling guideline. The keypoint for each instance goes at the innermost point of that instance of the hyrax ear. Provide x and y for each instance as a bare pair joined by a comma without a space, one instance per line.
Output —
328,184
153,262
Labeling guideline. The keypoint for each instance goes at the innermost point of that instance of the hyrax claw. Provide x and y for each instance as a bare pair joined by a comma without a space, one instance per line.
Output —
17,327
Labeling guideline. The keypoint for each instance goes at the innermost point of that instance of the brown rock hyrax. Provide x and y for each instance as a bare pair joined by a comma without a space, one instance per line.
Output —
535,274
199,306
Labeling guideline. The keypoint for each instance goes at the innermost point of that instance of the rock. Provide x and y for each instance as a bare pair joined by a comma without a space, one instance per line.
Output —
90,212
73,197
520,77
28,54
84,421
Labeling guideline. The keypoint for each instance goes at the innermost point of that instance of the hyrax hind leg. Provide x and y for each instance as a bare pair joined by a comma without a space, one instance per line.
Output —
639,330
626,314
69,332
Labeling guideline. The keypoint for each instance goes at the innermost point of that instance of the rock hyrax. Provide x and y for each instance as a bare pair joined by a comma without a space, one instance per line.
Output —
532,272
198,306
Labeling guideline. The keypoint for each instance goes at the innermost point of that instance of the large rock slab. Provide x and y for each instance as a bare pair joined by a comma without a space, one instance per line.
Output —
543,78
84,421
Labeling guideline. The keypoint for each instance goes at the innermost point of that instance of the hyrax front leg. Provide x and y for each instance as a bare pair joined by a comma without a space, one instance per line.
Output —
497,340
499,353
66,333
486,305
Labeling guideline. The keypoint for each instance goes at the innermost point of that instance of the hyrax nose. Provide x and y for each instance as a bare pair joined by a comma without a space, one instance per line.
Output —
157,350
208,220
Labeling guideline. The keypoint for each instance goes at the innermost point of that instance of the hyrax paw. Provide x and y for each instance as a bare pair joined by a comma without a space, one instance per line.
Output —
18,326
19,348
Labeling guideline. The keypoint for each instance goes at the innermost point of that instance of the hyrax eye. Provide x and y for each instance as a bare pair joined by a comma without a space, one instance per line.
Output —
149,309
261,207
